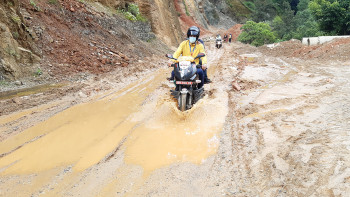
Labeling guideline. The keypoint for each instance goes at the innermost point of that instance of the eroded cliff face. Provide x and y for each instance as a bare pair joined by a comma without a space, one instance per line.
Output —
160,13
221,14
17,50
63,37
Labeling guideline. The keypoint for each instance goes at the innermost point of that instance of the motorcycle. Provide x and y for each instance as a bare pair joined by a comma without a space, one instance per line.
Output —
218,43
186,81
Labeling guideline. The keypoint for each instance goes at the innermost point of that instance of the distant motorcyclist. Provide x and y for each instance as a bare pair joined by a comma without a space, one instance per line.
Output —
192,47
230,38
218,42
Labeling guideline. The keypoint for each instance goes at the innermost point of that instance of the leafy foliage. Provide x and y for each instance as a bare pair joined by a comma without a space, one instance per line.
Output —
38,72
284,24
187,13
36,8
256,34
296,19
332,15
265,10
132,13
250,5
54,2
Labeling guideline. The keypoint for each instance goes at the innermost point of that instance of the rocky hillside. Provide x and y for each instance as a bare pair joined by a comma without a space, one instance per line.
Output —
55,39
17,49
221,14
49,39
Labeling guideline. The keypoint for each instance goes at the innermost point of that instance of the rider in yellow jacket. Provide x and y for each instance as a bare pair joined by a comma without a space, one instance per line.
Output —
192,47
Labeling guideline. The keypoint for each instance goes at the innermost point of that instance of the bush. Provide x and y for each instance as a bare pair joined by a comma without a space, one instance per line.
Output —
36,8
186,9
132,13
256,34
250,5
53,2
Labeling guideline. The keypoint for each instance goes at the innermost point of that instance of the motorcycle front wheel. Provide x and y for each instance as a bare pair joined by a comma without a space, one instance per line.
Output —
182,102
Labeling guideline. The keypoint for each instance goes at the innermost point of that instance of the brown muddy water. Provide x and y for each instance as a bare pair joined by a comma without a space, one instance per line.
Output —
29,91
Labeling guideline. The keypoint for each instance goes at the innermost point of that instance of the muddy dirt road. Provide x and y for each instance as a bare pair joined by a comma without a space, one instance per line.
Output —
285,133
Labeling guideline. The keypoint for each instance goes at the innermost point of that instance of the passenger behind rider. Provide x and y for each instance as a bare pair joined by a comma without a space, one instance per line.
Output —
191,47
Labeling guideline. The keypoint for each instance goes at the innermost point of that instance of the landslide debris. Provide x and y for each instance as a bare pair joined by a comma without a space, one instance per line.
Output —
66,37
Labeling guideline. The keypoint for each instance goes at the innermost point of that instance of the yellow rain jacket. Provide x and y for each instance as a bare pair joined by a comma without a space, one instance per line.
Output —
185,49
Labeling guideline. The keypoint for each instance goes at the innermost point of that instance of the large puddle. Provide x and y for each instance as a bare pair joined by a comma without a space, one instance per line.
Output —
155,133
171,136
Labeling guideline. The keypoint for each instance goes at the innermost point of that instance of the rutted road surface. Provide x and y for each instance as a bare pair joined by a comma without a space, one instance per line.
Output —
285,133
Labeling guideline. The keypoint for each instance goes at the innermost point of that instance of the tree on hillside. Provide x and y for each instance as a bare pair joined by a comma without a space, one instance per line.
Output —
284,24
306,25
280,4
265,10
256,34
294,5
332,15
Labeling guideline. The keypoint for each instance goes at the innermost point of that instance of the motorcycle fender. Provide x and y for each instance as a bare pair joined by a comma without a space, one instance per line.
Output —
184,91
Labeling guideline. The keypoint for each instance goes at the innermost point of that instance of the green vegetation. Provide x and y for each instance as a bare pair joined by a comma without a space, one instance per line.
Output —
256,34
10,4
151,40
333,16
15,35
186,9
16,19
36,8
53,2
250,5
239,8
132,13
38,72
301,18
3,83
11,52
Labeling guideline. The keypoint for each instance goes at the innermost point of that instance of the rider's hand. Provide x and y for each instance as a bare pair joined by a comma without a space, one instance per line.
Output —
170,62
204,67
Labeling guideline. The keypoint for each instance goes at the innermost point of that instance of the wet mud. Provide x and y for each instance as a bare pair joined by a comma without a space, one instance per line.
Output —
286,132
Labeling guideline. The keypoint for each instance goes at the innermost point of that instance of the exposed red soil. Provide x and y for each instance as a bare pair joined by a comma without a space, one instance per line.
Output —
187,21
235,31
338,49
73,41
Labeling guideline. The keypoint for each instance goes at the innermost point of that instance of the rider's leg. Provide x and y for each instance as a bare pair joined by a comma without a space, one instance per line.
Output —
172,76
201,77
206,79
205,73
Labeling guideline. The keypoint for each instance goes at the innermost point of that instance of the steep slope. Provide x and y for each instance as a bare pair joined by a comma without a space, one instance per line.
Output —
49,40
55,39
211,13
161,14
17,50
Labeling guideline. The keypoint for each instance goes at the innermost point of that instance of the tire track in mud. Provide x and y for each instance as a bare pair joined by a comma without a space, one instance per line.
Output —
290,152
295,143
107,169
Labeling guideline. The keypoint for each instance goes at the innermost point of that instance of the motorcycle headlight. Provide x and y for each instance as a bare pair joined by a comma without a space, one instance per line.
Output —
182,73
184,64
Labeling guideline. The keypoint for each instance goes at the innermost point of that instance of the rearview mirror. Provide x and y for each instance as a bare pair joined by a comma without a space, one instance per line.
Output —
169,56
